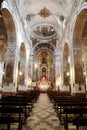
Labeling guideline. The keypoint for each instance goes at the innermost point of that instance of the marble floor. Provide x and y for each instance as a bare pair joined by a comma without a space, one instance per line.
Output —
42,117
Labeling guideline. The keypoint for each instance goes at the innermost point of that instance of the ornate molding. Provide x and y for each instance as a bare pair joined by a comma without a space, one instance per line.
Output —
34,41
54,41
45,12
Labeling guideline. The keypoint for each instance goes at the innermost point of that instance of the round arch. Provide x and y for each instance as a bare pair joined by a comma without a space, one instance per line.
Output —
72,26
43,65
10,42
10,25
21,64
3,39
57,29
79,38
40,24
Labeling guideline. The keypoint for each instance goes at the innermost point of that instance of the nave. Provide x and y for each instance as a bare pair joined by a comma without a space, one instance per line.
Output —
42,117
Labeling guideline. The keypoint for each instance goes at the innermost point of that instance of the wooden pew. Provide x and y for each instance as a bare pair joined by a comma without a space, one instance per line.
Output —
69,105
78,112
20,105
24,101
17,102
7,116
80,122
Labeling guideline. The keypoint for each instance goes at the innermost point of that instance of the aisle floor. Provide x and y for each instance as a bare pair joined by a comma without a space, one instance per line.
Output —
42,117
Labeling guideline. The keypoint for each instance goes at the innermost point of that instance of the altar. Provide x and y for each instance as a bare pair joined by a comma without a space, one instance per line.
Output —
43,85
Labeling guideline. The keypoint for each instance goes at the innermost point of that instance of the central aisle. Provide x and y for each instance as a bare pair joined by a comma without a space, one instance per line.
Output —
43,116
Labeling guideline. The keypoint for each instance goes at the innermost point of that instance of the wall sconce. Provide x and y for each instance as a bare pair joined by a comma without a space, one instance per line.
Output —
84,73
58,82
3,73
29,81
68,74
36,66
20,73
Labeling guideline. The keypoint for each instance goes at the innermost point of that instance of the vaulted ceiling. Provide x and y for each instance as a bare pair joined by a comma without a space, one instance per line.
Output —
44,19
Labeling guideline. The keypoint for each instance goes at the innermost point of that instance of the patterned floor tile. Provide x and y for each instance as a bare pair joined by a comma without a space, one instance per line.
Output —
42,117
46,118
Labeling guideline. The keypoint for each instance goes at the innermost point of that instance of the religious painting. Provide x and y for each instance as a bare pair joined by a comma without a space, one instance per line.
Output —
8,77
9,70
44,60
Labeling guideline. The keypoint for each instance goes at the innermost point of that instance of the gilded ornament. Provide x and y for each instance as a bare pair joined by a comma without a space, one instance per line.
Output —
45,12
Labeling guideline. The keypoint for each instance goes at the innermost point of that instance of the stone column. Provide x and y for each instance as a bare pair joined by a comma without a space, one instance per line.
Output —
1,73
31,65
10,58
57,70
16,67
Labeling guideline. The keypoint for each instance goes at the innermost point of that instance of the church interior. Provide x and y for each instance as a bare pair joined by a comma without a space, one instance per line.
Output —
43,65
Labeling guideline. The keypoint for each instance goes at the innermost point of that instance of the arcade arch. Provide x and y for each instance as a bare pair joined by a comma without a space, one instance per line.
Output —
21,65
79,47
8,46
